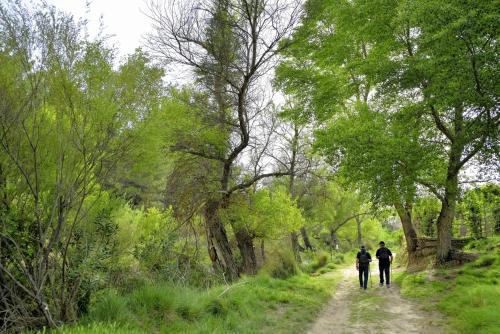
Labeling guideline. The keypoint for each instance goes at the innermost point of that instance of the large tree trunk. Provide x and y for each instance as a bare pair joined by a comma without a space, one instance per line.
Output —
305,237
247,251
449,200
445,220
219,249
404,213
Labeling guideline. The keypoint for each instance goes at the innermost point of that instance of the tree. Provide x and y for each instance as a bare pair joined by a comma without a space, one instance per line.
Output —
364,140
294,153
448,54
428,68
425,213
479,208
267,214
229,45
63,109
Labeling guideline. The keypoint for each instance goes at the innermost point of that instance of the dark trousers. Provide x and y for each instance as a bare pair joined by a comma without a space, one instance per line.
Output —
385,268
363,273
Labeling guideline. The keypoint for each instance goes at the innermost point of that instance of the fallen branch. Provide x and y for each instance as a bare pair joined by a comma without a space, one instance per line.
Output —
230,287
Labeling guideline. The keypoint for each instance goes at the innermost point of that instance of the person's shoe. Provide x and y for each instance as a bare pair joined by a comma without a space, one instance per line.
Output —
381,284
388,286
361,287
365,288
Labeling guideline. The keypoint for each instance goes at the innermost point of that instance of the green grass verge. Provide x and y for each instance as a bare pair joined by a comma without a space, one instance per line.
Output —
253,305
469,295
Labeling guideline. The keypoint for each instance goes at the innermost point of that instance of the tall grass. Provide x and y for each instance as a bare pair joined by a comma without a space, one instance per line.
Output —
260,304
469,296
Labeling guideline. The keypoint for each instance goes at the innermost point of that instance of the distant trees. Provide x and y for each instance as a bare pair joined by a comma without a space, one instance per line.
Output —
479,209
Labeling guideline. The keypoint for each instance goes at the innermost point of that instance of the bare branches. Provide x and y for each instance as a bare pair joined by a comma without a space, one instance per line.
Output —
232,43
249,183
199,153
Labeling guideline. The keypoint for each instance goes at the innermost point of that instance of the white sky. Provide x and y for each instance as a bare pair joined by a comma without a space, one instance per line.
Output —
122,19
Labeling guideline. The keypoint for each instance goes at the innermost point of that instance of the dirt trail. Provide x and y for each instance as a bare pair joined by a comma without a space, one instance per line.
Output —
375,310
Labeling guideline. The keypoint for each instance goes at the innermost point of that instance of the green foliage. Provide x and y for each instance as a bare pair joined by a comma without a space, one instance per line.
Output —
317,262
479,208
402,90
65,115
425,215
484,245
339,258
268,213
281,265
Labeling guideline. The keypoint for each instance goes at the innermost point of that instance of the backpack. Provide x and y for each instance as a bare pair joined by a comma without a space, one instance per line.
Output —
363,258
383,254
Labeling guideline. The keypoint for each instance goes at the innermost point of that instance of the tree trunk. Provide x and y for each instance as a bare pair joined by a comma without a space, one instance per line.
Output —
449,200
219,249
445,221
448,203
496,217
305,237
476,223
43,307
359,236
262,251
247,251
334,239
404,213
463,229
295,246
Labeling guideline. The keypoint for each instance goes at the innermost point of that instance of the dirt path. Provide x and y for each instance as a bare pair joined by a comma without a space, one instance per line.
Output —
375,310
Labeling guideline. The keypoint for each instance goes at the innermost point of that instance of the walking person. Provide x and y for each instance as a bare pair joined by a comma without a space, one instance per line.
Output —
384,257
363,259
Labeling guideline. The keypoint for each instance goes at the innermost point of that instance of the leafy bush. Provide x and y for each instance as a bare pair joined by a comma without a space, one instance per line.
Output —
339,258
318,261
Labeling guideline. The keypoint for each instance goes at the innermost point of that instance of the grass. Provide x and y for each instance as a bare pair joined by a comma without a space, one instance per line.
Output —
469,295
260,304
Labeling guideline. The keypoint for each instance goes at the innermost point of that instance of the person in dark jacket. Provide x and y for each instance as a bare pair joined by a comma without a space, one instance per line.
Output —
384,257
363,259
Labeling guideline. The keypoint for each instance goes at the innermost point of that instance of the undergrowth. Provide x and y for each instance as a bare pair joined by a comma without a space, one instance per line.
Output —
260,304
469,295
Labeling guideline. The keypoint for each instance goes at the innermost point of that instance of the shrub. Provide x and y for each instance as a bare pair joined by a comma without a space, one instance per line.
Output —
339,258
281,265
320,261
216,307
110,307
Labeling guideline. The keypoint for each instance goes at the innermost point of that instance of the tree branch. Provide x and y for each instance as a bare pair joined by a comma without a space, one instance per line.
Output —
250,182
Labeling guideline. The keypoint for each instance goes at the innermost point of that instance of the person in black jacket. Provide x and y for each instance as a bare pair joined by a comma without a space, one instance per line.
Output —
384,257
363,259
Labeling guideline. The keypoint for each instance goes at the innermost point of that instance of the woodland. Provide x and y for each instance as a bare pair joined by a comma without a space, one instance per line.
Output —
230,202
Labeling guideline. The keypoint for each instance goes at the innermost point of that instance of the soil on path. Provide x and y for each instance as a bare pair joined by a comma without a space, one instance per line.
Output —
375,310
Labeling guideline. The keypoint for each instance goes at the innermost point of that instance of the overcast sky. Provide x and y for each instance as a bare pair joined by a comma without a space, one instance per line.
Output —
124,19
